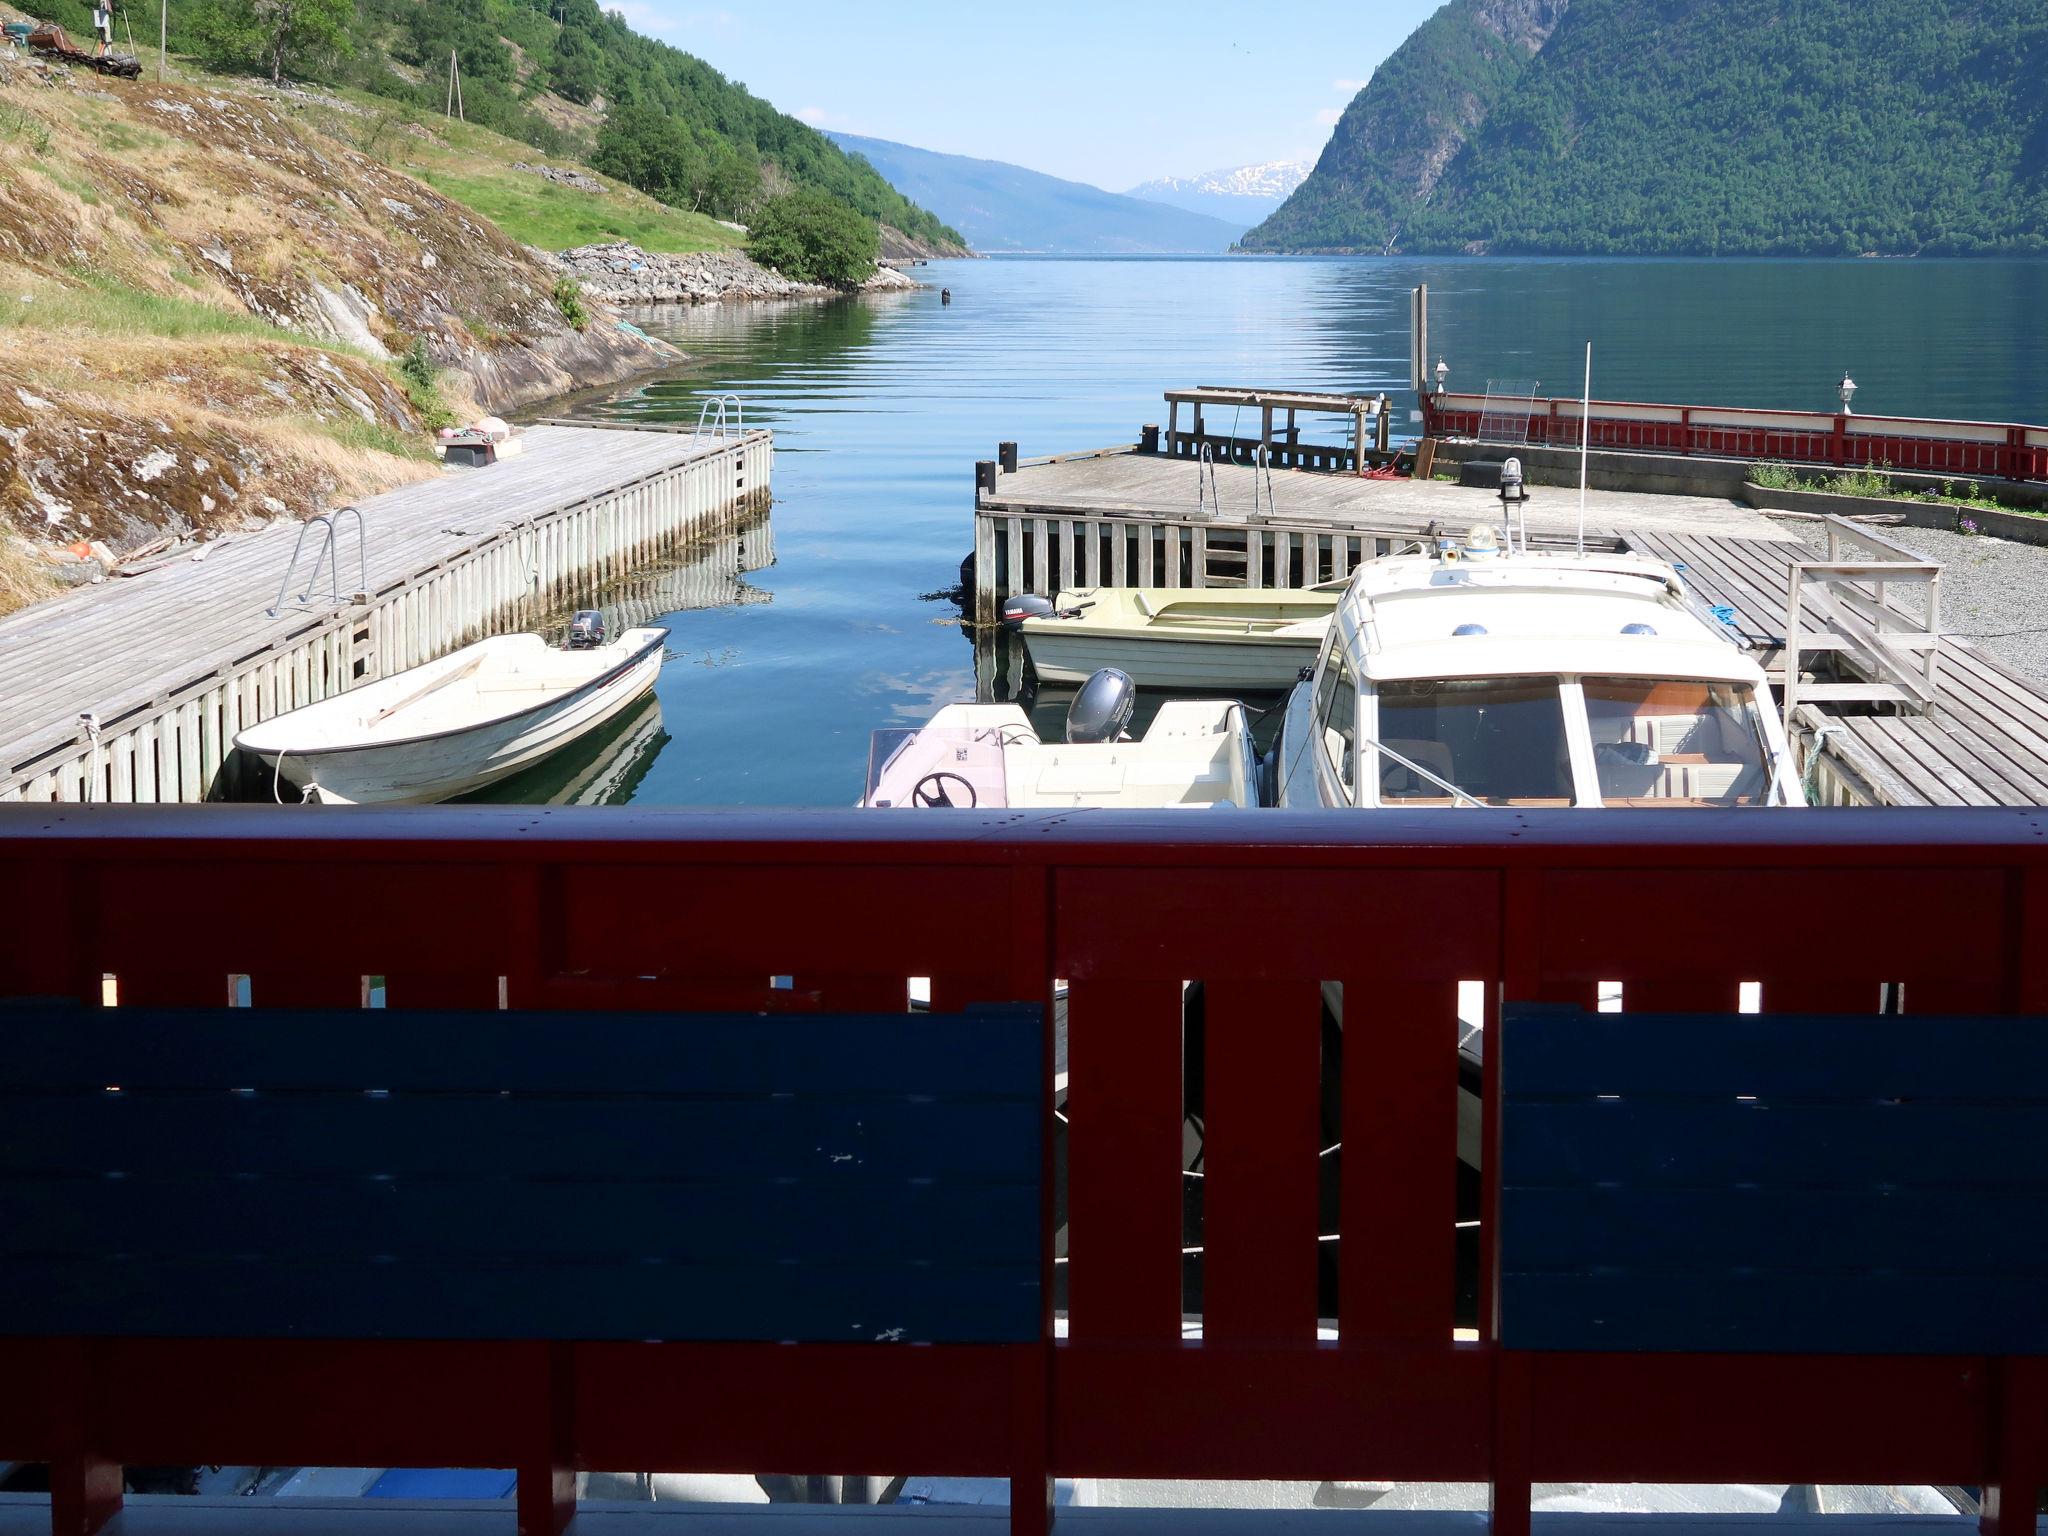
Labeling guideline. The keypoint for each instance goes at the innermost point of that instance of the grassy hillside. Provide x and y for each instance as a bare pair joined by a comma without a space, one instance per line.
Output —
561,76
1684,127
214,311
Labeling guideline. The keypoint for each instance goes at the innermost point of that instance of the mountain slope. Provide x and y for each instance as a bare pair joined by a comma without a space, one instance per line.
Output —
1679,126
1399,135
1242,194
1000,207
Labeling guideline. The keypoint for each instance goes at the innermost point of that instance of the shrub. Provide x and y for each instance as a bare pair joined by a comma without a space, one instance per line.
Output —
422,382
569,300
811,238
1774,477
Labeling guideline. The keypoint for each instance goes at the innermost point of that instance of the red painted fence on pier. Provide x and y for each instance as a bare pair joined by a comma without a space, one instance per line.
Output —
1984,449
638,910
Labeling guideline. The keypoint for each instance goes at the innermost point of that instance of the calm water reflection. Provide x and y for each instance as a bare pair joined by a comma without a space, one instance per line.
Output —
881,406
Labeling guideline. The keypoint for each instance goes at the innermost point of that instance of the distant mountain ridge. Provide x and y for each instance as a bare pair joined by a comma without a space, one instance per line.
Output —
1677,127
999,207
1240,193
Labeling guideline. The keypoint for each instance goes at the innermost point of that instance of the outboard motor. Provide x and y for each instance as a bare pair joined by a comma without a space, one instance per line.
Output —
1102,710
1025,605
586,630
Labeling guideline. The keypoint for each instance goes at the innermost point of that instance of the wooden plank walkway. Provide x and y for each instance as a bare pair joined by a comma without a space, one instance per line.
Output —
126,647
1985,742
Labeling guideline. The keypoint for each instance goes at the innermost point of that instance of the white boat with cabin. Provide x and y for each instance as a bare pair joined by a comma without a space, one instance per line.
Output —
1478,678
457,724
1196,753
1252,639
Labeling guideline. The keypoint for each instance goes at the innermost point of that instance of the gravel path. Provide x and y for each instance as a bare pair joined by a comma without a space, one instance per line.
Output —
1993,591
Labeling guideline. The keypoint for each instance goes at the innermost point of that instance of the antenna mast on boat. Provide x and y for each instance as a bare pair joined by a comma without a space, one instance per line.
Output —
1585,442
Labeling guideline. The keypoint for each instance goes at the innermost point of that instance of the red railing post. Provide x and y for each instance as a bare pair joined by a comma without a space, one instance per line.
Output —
2019,1446
546,1472
1508,1476
85,1483
1839,446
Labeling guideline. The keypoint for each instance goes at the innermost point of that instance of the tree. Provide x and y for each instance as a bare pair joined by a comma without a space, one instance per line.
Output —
812,238
275,33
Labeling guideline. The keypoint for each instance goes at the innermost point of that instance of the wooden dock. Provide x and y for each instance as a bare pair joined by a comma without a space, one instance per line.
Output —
1884,708
133,689
1125,517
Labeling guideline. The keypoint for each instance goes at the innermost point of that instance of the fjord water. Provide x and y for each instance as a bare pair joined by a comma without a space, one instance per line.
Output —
880,407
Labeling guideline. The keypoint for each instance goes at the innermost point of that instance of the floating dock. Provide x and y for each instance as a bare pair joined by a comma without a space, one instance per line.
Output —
133,690
1128,517
1883,706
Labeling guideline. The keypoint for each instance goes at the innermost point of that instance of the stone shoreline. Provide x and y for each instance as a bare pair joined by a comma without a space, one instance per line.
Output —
619,272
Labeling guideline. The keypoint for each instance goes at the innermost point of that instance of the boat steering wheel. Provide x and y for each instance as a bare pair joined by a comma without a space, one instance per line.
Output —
931,791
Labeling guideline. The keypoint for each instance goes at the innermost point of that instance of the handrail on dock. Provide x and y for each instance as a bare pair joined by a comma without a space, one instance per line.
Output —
1842,604
727,415
592,915
328,551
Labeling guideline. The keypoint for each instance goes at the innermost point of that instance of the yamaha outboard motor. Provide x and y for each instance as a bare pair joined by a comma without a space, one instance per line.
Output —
586,630
1101,711
1025,605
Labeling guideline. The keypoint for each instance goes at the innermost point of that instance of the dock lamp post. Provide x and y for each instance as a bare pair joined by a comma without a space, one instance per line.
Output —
1443,371
1847,388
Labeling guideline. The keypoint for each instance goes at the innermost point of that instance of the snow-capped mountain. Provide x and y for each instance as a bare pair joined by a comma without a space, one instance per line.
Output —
1243,194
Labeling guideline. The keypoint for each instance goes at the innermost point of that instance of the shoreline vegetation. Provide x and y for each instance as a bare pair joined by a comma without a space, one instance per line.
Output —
225,302
1873,482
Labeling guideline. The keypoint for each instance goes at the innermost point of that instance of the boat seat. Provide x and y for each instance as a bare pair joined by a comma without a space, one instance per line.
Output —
1398,780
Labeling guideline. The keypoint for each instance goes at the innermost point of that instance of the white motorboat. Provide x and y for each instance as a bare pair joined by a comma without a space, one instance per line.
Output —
1478,678
1174,637
1196,753
457,724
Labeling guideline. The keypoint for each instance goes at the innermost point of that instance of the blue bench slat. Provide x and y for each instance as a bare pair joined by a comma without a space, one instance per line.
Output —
1727,1311
497,1175
1752,1228
1875,1056
1884,1191
60,1045
772,1221
524,1136
1692,1143
226,1298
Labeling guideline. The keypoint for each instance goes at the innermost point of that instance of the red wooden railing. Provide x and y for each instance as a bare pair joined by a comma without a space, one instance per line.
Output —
631,910
1988,450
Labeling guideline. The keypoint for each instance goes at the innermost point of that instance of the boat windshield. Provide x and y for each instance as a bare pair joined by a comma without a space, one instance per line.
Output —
1680,741
1499,739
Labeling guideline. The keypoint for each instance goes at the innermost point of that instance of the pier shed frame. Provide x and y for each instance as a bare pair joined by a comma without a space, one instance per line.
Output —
1286,451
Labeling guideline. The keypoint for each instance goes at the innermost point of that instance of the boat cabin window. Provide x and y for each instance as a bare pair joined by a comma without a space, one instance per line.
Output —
1501,740
1337,709
1676,742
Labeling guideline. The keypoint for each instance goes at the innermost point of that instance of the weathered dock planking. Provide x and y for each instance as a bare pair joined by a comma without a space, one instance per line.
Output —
133,690
1126,517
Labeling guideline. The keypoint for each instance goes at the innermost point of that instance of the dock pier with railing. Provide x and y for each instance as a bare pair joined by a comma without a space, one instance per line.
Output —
1902,713
133,690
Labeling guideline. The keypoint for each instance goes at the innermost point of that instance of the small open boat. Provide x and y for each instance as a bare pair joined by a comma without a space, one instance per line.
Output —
1196,753
1223,638
454,725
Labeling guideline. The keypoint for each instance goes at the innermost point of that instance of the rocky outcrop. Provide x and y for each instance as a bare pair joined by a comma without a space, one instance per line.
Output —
582,181
621,273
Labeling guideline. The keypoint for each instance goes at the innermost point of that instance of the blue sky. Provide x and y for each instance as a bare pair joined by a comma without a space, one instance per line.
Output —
1112,92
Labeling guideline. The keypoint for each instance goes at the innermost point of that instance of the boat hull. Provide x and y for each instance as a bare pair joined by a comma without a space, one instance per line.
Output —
424,772
1252,663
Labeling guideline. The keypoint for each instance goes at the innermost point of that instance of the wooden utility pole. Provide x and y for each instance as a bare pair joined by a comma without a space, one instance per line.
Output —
454,108
163,36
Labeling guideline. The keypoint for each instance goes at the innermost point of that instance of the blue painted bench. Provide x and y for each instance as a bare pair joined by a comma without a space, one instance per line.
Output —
1793,1201
235,1174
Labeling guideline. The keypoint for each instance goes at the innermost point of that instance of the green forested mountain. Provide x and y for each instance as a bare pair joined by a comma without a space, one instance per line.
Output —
562,75
1761,127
